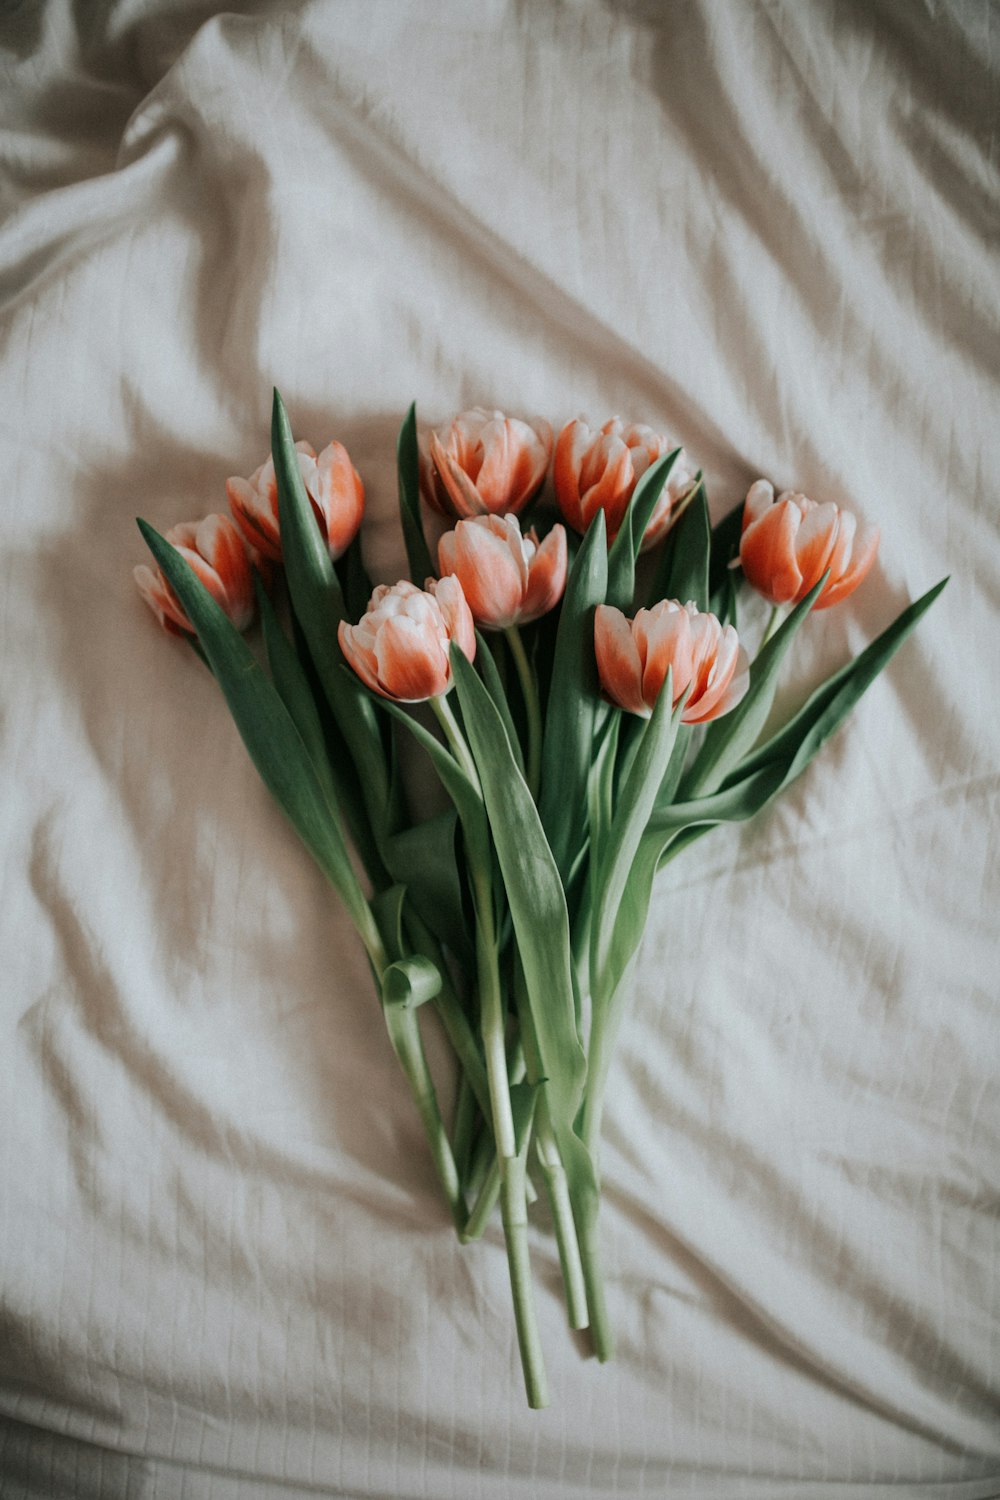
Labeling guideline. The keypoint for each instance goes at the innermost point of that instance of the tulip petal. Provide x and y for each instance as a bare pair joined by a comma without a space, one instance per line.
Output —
459,625
412,661
257,521
760,498
610,487
862,557
462,494
767,553
815,542
338,498
618,662
546,577
360,654
491,579
663,638
161,599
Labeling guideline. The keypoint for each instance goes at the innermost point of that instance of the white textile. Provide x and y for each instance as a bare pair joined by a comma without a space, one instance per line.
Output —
768,229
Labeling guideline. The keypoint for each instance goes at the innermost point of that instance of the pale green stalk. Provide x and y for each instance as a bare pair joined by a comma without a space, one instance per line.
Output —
529,693
513,1199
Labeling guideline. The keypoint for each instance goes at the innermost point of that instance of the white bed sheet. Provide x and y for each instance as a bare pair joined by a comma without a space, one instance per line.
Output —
769,229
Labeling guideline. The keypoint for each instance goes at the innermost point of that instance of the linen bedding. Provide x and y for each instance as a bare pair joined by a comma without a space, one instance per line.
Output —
767,229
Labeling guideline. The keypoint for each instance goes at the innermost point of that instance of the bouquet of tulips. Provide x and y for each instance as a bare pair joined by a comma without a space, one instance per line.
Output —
591,714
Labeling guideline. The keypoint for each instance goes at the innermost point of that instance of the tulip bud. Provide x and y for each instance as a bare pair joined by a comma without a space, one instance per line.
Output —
506,578
484,463
789,543
633,656
596,471
218,555
399,648
334,488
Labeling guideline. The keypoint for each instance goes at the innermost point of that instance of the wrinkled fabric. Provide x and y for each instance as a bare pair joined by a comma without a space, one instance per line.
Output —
769,229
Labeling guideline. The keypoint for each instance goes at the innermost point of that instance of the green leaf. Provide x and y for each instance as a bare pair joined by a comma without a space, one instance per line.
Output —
410,982
541,925
600,802
683,571
625,548
465,796
319,607
494,686
729,738
267,728
825,710
574,704
408,466
632,814
424,858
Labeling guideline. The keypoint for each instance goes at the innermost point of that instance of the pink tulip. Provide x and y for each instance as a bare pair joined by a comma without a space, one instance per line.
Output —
596,471
484,463
506,578
333,485
220,558
633,657
399,647
789,543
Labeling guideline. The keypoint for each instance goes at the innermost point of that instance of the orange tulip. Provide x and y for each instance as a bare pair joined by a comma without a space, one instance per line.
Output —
220,558
633,657
506,578
789,543
333,485
484,463
596,471
399,647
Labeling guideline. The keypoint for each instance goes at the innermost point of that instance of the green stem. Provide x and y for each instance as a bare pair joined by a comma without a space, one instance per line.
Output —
464,1126
515,1224
484,1205
408,1047
553,1172
456,739
601,1336
513,1181
529,692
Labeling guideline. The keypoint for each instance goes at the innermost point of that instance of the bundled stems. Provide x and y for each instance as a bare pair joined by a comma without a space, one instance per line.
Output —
511,1160
576,866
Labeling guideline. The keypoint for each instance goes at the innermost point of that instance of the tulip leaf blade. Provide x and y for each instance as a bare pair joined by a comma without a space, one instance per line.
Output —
319,607
266,727
625,548
490,673
465,796
541,927
408,471
423,858
573,703
684,567
797,741
635,806
293,688
729,738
